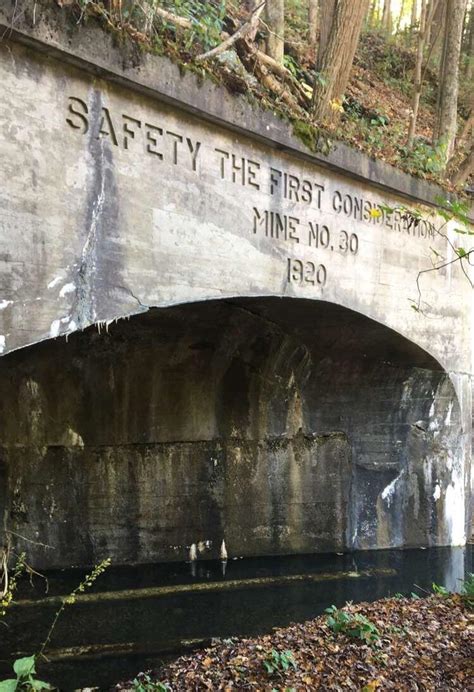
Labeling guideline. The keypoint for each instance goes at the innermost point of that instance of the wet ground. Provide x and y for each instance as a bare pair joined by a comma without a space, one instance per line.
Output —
135,617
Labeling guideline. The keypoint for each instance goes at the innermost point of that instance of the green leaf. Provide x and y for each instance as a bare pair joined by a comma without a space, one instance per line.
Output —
40,685
8,685
24,667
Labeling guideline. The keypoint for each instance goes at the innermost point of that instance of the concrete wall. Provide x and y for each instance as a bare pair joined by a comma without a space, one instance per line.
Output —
280,426
321,386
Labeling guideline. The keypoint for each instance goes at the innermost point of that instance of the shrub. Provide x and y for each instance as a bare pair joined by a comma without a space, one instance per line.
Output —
356,626
279,662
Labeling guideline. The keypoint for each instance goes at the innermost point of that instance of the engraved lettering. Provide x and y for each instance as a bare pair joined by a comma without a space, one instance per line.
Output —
252,168
106,122
236,168
275,176
177,140
194,151
129,132
224,157
78,108
152,141
337,201
304,273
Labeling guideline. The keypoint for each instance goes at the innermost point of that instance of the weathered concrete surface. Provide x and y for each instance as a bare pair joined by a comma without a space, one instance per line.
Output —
113,202
281,426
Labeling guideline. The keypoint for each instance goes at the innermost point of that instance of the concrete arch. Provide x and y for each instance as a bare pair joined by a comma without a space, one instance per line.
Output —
279,425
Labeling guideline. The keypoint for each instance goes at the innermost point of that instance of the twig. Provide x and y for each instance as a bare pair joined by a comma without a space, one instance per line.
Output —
28,540
240,33
281,71
182,22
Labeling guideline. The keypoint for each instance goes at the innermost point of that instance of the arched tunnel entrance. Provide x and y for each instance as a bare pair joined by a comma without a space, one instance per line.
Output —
279,425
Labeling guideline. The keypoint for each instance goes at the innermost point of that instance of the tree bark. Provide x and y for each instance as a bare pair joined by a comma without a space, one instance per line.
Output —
465,170
414,14
327,8
313,11
469,45
275,20
449,76
387,17
372,14
426,17
468,128
400,16
435,39
336,62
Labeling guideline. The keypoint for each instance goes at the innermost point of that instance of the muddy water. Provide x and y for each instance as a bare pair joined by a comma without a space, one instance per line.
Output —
134,618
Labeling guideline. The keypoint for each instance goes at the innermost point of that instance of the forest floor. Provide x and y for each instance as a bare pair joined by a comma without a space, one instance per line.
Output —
374,114
394,643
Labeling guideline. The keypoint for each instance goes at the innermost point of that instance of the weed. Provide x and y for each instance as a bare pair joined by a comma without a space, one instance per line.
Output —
25,671
356,626
467,592
424,157
207,21
144,683
8,583
25,668
440,590
279,662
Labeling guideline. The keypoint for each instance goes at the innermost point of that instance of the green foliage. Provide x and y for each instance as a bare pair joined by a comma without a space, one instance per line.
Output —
144,683
290,63
86,583
307,133
207,20
279,662
424,157
9,588
454,209
440,590
25,668
25,671
355,626
467,592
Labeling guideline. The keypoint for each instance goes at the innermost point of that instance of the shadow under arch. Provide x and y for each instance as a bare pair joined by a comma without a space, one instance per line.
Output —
280,425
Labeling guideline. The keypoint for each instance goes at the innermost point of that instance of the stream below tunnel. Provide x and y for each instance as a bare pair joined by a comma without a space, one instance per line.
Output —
134,618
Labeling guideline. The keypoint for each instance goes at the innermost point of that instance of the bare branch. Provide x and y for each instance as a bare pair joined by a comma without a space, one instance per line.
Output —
182,22
240,33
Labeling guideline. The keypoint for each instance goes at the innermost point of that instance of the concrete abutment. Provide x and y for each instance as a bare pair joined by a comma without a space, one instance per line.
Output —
281,426
261,375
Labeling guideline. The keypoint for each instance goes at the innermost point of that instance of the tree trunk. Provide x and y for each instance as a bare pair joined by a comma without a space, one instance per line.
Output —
275,20
372,14
336,62
449,74
435,39
327,8
469,45
313,11
468,128
465,170
426,17
400,16
414,14
387,17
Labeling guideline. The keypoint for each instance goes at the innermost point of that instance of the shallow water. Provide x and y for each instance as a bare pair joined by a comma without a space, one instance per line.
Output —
135,617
